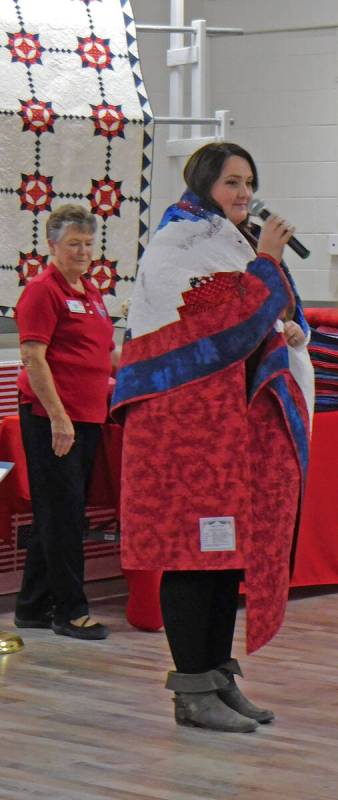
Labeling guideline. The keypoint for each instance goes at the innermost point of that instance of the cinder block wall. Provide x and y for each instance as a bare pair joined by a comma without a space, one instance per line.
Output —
282,91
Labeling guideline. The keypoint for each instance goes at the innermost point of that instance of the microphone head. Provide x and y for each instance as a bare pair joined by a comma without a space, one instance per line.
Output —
256,206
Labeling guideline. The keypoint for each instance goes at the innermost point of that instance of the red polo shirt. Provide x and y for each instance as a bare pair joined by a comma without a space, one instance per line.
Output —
79,336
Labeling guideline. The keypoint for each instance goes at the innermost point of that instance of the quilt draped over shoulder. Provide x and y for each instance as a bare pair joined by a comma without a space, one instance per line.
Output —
217,411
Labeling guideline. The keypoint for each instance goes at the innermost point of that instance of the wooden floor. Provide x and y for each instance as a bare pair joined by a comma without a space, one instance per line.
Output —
87,721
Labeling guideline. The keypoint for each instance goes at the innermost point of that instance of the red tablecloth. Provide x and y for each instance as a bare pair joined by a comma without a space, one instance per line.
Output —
322,316
317,552
14,493
14,489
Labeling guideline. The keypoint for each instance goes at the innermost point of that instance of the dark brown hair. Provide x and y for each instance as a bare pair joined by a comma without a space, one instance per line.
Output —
206,164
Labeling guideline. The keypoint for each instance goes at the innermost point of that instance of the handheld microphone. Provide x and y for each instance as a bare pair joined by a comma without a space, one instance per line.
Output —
257,208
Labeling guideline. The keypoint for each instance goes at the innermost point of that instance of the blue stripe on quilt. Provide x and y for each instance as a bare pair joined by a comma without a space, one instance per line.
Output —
209,354
296,422
271,364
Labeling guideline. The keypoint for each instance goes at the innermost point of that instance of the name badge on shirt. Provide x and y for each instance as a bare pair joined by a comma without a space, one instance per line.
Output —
217,533
76,306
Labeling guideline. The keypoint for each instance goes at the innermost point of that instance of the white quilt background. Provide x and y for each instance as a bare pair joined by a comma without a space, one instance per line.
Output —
75,126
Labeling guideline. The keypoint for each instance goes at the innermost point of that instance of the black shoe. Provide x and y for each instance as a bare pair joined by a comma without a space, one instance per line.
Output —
45,621
88,632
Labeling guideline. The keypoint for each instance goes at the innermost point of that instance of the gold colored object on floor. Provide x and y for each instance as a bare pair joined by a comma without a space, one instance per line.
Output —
10,642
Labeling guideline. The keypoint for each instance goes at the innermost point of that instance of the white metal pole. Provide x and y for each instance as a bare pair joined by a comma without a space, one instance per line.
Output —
176,78
176,94
198,74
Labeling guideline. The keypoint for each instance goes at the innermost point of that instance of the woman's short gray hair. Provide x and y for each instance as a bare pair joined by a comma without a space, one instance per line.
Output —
69,214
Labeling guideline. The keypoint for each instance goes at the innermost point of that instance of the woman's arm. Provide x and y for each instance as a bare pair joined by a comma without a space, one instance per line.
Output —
115,358
33,356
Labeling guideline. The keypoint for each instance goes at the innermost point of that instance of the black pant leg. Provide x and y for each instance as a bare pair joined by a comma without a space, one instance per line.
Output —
223,616
34,597
199,613
55,564
186,598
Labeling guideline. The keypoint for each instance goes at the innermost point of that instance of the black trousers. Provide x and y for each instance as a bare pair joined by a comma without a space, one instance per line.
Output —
54,569
199,613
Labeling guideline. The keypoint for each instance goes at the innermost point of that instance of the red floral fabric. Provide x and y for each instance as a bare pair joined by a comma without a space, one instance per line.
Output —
200,451
226,462
275,495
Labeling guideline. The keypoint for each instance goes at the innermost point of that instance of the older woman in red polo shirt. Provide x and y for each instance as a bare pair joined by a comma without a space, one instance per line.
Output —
66,340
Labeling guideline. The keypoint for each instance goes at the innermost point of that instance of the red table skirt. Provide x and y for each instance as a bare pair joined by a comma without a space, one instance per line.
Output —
14,489
317,551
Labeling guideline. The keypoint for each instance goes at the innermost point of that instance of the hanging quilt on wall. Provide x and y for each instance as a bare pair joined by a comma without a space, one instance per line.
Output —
75,127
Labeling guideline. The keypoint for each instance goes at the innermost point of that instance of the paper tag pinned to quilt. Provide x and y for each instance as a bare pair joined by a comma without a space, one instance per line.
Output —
217,533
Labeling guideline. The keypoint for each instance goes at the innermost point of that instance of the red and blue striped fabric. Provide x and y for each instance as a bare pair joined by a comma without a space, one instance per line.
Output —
323,349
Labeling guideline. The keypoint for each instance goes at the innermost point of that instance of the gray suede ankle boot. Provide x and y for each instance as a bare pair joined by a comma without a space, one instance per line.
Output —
197,703
232,696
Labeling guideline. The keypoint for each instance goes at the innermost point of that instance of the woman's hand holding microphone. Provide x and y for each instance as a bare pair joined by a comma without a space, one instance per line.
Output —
274,235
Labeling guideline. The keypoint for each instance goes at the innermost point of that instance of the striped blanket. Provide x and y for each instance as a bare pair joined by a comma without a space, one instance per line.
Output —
323,349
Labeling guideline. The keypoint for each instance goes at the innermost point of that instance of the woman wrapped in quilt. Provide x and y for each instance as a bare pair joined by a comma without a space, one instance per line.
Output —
216,389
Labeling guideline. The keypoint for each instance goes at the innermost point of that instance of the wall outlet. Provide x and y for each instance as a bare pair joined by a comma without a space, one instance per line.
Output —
332,244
